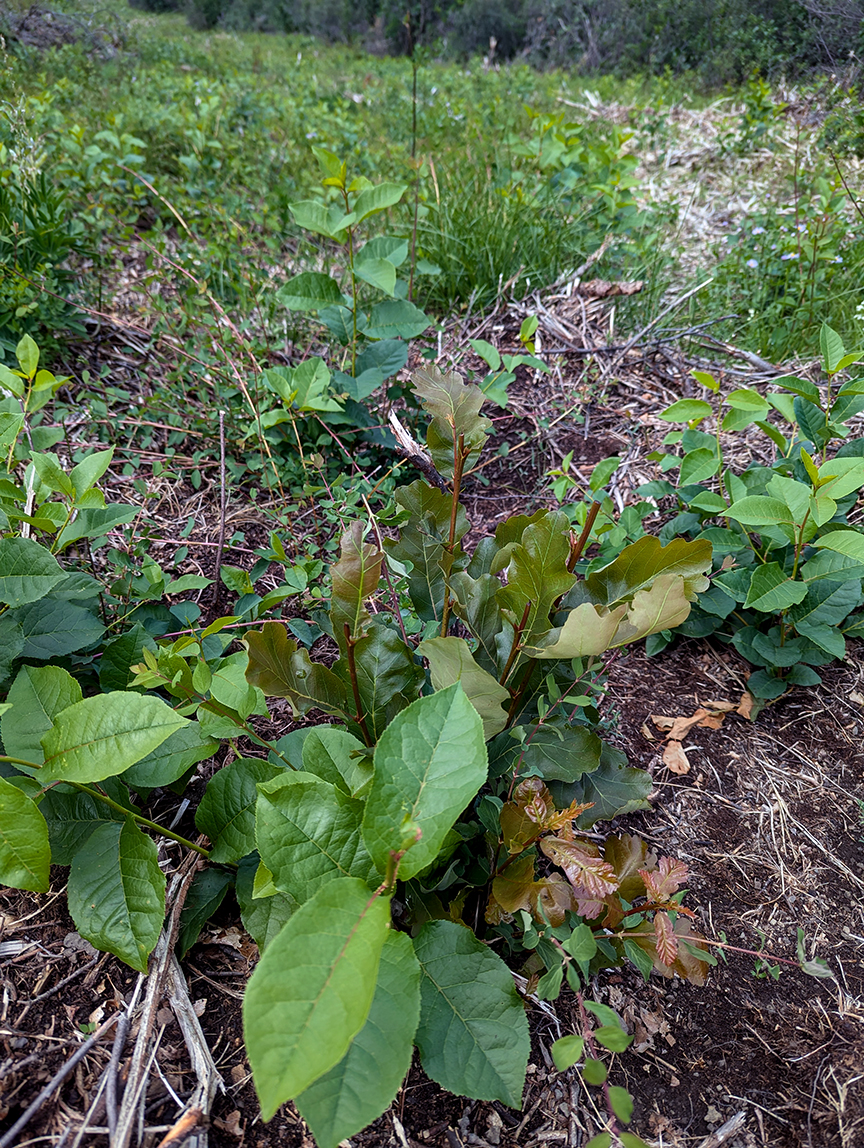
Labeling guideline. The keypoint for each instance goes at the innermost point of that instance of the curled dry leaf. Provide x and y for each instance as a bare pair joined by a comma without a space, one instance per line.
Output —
675,758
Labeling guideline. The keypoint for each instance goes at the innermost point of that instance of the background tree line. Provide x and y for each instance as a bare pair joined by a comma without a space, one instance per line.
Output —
723,40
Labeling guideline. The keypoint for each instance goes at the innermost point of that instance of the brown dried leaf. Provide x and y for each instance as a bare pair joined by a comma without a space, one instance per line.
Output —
675,758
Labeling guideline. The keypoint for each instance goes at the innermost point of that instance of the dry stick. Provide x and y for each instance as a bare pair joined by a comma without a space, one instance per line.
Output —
209,1080
9,1138
159,965
223,508
113,1069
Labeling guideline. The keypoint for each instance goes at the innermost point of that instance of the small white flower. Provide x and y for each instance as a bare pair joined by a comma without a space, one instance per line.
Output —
753,263
758,231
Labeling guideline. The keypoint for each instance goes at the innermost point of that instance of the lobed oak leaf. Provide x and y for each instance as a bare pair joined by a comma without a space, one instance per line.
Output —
590,876
666,880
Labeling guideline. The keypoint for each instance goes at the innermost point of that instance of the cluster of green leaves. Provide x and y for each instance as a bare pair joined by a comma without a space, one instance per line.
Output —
789,559
373,263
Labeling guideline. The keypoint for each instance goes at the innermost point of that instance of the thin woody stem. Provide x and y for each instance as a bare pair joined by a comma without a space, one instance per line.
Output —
514,649
155,826
577,548
359,717
459,457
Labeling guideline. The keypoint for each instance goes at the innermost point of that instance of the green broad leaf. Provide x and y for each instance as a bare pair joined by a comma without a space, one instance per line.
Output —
362,1085
27,571
170,760
388,356
759,510
779,439
604,1014
25,855
103,735
378,273
262,917
386,247
621,1102
638,957
281,670
51,474
827,638
355,578
11,425
848,542
89,470
745,399
308,834
226,813
396,319
602,1139
588,631
312,215
388,678
687,411
537,573
614,788
454,408
309,291
450,661
560,754
549,985
638,564
95,522
312,989
581,944
566,1051
120,654
12,383
423,543
697,466
335,756
375,199
772,590
841,476
813,423
826,603
613,1037
602,472
116,892
229,687
311,380
72,815
783,403
53,627
594,1072
37,696
477,605
205,895
831,347
801,387
429,763
795,494
487,353
27,354
473,1033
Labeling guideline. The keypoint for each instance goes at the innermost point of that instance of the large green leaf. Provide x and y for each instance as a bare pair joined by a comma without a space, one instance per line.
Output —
477,604
587,630
53,627
430,762
116,892
170,760
848,542
772,590
229,687
72,815
262,917
663,606
281,670
312,990
450,660
103,735
396,319
120,654
226,813
308,833
388,678
826,603
355,578
422,543
613,788
641,562
473,1033
334,755
361,1086
538,574
25,855
378,273
378,198
37,696
309,291
552,751
27,571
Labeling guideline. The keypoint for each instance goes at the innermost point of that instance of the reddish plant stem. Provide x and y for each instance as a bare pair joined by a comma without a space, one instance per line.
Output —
359,717
579,545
